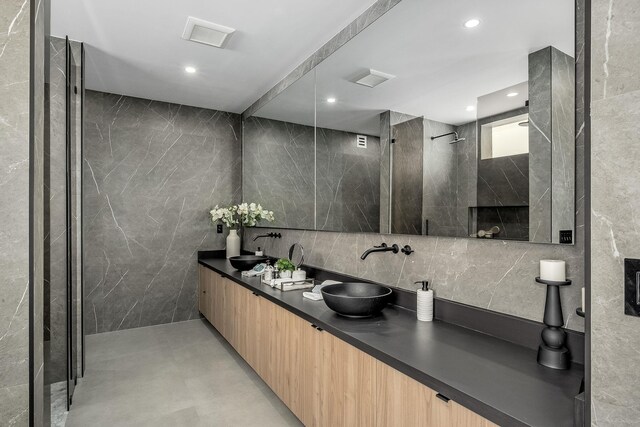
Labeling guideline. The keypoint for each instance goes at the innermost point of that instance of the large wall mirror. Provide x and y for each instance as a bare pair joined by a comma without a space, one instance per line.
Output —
429,123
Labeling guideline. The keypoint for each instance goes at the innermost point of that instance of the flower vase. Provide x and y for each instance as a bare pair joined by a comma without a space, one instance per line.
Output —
233,243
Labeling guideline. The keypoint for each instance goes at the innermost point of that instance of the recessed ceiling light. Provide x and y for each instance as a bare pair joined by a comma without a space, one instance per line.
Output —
512,94
472,23
470,108
331,100
190,70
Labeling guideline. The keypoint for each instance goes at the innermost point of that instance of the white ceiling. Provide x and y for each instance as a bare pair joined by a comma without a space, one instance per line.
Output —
440,66
135,47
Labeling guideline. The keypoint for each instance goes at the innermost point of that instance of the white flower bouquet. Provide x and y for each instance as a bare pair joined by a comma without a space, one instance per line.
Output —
244,214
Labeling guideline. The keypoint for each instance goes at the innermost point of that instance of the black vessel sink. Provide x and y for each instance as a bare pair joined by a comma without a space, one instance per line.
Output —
246,262
356,299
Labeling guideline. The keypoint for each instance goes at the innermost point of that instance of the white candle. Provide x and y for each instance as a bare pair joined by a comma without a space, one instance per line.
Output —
582,306
554,270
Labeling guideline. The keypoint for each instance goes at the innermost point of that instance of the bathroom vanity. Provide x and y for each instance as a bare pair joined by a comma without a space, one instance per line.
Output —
389,370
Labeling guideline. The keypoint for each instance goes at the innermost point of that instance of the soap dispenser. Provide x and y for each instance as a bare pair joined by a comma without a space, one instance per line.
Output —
425,302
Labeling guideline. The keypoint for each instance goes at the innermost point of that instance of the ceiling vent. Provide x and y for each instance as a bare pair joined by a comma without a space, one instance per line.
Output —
374,78
200,31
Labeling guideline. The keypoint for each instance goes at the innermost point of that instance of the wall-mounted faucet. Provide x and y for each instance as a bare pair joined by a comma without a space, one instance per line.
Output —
274,235
407,250
382,248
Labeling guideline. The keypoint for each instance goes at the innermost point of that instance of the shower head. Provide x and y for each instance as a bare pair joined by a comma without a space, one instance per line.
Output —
456,138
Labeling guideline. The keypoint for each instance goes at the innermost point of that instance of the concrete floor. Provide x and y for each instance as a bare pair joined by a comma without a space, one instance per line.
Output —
180,374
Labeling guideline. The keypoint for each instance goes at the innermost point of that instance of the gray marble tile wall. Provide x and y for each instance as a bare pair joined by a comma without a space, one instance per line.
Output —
504,181
152,170
39,48
21,160
280,160
407,175
385,167
467,177
563,149
348,182
440,180
513,221
551,143
496,275
615,203
540,145
279,172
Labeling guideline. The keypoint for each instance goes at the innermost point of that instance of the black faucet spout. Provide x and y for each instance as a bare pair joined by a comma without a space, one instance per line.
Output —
382,248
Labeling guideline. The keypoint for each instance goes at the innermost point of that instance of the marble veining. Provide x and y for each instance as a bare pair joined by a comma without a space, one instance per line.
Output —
152,172
37,177
407,174
496,275
348,182
17,167
552,144
615,124
278,168
280,162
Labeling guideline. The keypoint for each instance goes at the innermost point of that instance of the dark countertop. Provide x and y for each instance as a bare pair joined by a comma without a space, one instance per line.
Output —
494,378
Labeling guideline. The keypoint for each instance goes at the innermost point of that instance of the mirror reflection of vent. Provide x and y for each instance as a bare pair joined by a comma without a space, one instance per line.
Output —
361,141
374,78
201,31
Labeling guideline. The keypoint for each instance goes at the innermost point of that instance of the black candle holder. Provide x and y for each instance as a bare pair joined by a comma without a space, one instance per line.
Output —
552,353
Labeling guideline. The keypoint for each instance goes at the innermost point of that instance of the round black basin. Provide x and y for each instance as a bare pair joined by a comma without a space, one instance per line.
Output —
246,262
356,299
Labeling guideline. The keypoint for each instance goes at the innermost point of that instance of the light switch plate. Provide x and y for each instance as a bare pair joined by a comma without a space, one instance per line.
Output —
632,287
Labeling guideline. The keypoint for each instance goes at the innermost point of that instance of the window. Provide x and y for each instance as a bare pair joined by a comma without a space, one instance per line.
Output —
507,137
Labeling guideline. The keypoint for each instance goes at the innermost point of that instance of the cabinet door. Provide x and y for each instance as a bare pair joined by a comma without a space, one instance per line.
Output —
339,382
352,385
203,296
229,310
317,368
404,402
289,363
265,332
241,299
217,303
253,338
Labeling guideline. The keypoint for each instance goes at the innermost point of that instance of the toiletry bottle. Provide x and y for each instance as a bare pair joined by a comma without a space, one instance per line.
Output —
267,276
259,252
274,276
424,307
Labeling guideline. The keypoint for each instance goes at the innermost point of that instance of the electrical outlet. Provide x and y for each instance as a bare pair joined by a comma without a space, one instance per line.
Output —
566,237
219,228
632,287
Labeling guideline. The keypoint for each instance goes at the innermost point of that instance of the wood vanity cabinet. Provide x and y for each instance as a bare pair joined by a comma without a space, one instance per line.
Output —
322,379
205,288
